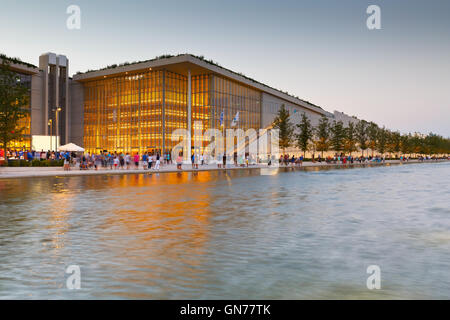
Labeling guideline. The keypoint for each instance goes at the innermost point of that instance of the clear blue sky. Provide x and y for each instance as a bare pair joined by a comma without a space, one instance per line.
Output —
320,50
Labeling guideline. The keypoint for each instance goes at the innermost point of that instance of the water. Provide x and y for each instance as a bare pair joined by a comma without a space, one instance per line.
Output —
213,235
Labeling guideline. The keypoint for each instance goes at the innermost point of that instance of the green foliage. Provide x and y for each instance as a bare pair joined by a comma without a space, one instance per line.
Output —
393,142
35,163
337,136
350,138
382,140
372,135
285,127
361,134
16,61
306,133
14,98
322,131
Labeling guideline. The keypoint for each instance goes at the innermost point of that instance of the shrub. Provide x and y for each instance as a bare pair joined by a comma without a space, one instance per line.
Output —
13,163
35,163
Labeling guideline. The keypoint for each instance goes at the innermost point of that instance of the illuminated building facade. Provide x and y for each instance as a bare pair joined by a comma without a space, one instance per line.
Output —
138,112
136,107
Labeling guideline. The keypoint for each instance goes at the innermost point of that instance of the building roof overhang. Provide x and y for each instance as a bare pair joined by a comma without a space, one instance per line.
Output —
22,68
181,64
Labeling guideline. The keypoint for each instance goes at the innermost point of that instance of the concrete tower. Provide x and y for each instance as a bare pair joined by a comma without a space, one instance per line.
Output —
55,105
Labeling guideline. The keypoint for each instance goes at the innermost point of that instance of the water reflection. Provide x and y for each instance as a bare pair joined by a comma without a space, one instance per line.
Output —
234,234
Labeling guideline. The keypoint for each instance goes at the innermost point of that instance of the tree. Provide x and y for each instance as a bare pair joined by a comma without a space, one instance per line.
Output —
323,135
337,136
372,134
306,133
350,138
394,142
285,127
14,99
405,144
361,135
416,143
382,140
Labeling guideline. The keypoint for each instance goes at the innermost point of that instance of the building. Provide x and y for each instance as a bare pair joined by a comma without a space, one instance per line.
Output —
136,107
48,85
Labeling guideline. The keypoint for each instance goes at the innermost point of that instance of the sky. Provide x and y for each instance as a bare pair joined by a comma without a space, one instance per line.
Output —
320,50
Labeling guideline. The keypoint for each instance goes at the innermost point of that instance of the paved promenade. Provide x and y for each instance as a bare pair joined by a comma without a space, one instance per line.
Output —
25,172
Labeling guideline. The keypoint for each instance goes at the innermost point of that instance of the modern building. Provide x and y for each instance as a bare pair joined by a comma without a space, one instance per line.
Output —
48,121
136,107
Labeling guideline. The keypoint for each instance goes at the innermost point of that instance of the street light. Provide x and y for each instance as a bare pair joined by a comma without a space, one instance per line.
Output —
50,124
57,110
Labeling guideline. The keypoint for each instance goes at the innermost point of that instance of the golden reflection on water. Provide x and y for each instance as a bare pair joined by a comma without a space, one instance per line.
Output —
59,213
167,226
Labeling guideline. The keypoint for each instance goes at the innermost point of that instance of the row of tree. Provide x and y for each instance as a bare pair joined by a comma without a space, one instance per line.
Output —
358,136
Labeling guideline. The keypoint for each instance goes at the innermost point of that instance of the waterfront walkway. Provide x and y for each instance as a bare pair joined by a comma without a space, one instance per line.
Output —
25,172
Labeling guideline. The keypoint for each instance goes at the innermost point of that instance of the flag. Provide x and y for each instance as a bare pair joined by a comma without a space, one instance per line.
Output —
221,118
235,119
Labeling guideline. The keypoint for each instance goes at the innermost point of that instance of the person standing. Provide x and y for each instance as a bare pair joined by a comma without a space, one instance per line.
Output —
128,160
122,161
66,162
145,161
136,160
197,160
179,161
157,161
150,161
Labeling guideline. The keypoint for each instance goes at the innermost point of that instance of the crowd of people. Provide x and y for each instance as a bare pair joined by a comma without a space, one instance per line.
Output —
154,160
293,160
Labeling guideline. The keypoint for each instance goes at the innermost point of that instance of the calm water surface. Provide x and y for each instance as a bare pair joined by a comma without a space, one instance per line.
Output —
212,235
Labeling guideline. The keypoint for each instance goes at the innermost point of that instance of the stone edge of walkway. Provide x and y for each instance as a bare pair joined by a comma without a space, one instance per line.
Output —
47,172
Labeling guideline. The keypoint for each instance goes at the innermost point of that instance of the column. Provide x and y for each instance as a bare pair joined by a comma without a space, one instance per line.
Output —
189,118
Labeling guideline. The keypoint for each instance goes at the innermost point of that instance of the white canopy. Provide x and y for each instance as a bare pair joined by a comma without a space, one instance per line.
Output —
71,147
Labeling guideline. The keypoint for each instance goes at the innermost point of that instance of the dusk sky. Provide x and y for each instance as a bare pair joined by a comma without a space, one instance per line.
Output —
321,51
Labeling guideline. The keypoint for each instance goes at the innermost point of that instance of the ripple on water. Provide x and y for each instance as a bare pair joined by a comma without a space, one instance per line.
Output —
294,235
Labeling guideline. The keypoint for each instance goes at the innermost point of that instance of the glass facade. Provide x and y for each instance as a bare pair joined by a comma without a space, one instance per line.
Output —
138,112
230,98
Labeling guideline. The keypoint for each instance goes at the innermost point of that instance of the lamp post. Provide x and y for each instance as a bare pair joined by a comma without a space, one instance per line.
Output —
57,110
50,124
